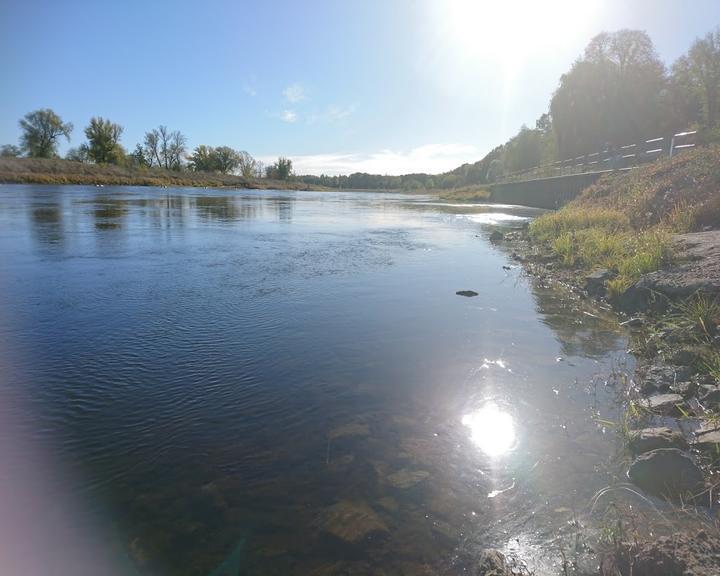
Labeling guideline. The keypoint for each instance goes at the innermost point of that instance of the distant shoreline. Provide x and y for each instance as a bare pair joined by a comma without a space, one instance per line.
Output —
62,172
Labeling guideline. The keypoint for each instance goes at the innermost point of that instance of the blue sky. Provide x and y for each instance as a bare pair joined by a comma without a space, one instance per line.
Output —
386,86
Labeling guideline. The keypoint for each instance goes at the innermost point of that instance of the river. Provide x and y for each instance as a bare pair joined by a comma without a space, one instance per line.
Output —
272,382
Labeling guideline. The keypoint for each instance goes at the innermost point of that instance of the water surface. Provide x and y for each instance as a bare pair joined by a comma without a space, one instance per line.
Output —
225,378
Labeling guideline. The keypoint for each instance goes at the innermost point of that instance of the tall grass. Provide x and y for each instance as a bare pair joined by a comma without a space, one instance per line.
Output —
594,238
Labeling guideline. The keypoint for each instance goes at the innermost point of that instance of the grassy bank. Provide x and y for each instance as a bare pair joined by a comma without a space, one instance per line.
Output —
58,171
625,222
465,194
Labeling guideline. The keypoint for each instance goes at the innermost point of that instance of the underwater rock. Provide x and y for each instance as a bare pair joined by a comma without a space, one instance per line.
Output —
406,478
351,521
497,236
492,563
350,429
666,472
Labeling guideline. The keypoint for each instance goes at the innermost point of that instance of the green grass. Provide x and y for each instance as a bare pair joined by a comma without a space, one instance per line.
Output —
589,239
467,194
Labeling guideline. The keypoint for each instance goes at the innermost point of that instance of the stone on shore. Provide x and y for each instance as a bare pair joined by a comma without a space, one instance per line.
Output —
663,403
667,472
596,282
648,439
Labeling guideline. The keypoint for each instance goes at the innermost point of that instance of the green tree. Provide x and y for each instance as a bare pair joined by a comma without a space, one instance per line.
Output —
699,71
104,141
226,159
79,154
202,159
282,169
40,132
613,94
137,158
10,151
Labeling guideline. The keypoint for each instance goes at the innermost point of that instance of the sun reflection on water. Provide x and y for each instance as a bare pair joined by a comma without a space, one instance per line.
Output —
491,429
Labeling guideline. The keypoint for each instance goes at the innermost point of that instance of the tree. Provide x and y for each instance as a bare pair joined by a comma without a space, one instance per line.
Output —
699,71
281,170
10,151
79,154
138,158
41,130
247,165
202,159
226,159
164,148
104,141
613,94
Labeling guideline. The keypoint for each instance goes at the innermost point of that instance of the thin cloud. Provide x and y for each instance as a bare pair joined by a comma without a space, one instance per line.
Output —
332,114
289,116
430,159
249,89
294,93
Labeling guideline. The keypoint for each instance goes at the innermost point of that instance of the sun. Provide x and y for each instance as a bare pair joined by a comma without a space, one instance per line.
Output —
507,31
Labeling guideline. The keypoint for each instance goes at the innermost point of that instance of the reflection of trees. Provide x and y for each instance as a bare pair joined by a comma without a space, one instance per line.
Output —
225,208
47,222
579,334
109,213
284,208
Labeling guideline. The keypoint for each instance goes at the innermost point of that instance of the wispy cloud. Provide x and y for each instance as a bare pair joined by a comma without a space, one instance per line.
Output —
289,116
331,114
294,93
431,159
249,89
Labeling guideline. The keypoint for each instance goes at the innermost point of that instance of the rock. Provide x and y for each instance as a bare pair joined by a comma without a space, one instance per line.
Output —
709,394
496,236
666,472
350,429
389,503
707,441
659,378
405,478
663,403
595,282
648,439
351,521
492,563
467,293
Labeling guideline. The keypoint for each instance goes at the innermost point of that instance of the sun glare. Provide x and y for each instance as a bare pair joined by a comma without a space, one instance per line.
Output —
491,429
505,31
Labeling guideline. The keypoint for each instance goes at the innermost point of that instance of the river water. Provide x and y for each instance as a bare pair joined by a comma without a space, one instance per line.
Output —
270,382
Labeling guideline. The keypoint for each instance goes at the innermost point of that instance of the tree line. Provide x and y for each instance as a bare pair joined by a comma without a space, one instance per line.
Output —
618,92
42,130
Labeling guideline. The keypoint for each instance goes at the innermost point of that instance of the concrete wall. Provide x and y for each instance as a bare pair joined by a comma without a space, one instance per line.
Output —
549,193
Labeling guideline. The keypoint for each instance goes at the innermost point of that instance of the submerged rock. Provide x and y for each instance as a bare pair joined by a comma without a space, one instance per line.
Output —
349,429
648,439
405,478
667,472
492,563
467,293
351,521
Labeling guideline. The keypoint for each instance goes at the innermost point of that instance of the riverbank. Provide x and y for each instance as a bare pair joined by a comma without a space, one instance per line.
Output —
58,171
645,245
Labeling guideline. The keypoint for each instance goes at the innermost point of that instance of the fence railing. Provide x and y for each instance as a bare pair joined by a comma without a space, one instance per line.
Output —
610,158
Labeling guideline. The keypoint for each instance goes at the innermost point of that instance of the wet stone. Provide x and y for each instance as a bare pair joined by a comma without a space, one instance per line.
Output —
492,563
406,478
351,521
648,439
707,441
663,403
595,282
666,472
496,236
709,394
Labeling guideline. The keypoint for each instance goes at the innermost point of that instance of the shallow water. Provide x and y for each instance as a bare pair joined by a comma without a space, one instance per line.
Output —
227,379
